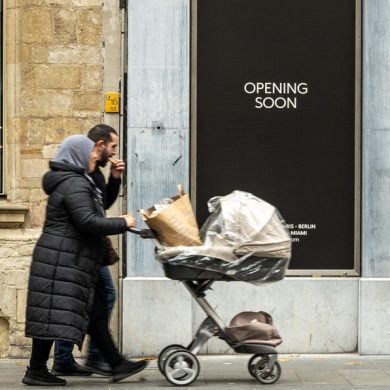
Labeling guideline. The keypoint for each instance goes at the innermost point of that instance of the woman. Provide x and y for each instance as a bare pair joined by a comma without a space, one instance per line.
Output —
65,297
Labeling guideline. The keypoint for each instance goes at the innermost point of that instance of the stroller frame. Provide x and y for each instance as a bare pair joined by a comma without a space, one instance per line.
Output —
179,364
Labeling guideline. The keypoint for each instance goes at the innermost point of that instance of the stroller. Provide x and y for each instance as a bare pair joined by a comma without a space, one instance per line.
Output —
244,239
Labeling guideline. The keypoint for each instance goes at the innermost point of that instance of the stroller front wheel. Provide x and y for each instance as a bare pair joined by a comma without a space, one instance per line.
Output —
164,354
181,367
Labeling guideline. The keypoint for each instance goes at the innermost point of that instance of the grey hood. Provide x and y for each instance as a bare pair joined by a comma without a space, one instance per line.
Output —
75,150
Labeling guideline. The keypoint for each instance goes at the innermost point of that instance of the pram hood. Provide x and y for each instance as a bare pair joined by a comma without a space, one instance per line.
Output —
242,234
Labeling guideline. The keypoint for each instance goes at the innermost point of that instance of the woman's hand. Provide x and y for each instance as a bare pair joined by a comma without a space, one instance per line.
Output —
130,220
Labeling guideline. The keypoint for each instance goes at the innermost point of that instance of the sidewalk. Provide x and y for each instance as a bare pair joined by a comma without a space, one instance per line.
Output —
326,372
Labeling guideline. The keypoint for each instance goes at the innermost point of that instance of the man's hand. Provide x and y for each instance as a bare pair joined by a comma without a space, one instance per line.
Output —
130,220
117,168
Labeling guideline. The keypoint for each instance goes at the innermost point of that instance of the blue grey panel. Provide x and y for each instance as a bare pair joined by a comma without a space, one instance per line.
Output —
157,162
376,139
158,97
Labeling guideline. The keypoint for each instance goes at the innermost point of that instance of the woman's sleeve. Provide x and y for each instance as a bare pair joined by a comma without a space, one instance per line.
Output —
82,210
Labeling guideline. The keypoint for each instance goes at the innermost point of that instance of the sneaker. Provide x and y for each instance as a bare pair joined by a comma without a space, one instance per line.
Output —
41,378
70,369
127,368
98,366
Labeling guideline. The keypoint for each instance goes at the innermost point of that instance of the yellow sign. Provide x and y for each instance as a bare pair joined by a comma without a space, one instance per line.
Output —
111,101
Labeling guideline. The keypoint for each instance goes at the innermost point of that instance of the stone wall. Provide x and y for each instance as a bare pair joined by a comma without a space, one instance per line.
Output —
52,89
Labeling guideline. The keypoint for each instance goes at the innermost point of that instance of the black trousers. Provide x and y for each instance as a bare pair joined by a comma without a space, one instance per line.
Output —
98,330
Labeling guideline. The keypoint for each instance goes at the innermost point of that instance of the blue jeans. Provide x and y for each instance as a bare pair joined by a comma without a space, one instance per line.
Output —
63,349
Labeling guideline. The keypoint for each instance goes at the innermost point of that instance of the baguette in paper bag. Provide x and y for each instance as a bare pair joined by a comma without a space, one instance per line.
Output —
175,224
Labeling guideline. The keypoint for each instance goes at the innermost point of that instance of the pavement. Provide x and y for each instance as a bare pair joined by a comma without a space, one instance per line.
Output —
325,372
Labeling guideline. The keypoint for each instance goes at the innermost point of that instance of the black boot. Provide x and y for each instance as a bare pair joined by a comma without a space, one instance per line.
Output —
70,369
41,377
98,366
127,368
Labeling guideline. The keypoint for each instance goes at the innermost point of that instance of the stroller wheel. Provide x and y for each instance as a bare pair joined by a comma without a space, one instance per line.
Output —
252,364
181,367
164,354
263,375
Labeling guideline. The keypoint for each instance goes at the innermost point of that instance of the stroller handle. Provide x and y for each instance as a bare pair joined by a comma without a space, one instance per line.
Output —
144,233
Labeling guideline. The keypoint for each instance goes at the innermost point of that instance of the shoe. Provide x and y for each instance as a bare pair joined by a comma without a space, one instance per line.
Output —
41,378
98,366
127,368
70,369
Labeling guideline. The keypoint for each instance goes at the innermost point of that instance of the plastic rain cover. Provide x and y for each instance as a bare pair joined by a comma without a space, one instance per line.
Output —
244,238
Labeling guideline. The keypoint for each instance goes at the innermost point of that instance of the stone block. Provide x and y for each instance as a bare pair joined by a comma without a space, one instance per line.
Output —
30,152
89,29
16,351
39,53
10,26
37,25
10,77
86,101
90,121
92,77
12,54
18,195
24,53
33,167
7,300
21,131
52,76
30,3
37,195
17,278
22,303
59,128
374,329
4,337
73,54
20,340
168,314
57,3
30,182
86,3
10,125
41,102
10,4
26,250
65,21
49,151
36,216
36,131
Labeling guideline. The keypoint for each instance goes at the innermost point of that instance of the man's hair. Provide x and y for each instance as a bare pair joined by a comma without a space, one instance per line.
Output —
101,132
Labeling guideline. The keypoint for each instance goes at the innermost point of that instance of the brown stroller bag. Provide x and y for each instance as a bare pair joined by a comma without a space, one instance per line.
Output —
251,327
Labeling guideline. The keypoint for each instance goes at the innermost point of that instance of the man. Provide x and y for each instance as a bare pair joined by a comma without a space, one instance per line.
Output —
106,139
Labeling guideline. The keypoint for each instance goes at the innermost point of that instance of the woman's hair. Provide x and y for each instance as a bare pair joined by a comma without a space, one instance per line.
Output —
101,132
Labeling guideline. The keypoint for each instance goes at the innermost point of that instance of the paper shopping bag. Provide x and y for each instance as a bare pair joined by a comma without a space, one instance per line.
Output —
174,222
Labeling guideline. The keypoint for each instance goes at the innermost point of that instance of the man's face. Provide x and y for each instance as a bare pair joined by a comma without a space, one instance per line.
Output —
109,150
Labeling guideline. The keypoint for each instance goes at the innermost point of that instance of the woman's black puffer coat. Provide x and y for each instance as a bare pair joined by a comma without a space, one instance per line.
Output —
67,256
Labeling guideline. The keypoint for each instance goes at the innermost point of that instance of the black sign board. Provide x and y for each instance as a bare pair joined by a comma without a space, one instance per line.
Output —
275,113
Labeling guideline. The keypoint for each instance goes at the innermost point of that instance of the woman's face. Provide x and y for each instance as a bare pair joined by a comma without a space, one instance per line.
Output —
93,158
